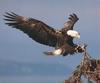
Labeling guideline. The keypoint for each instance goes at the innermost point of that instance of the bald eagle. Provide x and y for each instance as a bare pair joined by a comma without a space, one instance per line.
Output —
61,40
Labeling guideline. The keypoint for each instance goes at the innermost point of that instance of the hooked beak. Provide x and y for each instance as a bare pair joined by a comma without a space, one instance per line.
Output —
78,36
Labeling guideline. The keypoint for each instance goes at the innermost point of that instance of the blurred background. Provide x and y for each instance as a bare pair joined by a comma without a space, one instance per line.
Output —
22,59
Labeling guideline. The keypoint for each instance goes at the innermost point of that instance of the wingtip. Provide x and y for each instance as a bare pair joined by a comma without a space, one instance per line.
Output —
9,16
12,14
73,16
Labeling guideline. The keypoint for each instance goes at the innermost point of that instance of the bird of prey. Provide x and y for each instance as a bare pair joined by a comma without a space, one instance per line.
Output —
61,40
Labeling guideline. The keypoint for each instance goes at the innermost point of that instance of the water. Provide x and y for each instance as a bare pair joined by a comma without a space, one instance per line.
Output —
18,72
32,79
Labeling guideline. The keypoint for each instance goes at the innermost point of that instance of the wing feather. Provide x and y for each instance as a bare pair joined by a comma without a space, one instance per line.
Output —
37,30
70,23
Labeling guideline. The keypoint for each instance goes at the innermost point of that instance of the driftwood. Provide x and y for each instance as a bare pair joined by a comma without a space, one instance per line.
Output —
89,68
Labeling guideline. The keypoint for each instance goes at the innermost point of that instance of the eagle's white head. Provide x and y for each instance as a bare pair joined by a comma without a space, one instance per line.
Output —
73,34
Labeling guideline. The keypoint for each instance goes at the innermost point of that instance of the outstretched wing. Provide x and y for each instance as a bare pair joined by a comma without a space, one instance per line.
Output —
37,30
69,24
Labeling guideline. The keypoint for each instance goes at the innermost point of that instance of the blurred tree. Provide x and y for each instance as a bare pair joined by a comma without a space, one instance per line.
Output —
89,68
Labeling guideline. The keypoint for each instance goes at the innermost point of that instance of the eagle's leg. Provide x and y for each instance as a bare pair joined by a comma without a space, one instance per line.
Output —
56,52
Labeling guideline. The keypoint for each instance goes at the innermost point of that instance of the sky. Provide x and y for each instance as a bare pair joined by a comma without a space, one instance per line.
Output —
17,46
